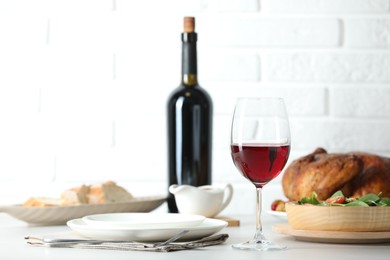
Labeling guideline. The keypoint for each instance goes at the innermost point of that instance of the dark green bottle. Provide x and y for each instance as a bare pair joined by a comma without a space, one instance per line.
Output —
190,119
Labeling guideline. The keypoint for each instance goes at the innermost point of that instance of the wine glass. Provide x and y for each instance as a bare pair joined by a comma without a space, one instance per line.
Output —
260,146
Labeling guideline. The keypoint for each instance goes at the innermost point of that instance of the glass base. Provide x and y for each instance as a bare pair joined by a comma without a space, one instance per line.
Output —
259,245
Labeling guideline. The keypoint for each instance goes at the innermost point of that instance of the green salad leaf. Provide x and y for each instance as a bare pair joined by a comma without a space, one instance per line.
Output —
338,199
356,203
338,193
371,199
384,202
310,200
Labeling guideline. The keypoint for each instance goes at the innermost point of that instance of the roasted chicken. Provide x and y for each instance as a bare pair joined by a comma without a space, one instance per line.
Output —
355,174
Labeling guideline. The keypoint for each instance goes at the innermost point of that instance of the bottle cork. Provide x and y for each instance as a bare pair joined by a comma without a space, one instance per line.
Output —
189,24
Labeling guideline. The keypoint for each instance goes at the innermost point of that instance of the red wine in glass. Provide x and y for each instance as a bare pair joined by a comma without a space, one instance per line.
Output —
260,146
260,163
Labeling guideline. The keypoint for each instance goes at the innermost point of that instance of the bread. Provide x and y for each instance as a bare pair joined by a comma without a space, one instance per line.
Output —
108,192
43,202
355,174
76,196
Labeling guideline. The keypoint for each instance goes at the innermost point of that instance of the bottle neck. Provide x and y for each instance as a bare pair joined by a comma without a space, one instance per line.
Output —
189,59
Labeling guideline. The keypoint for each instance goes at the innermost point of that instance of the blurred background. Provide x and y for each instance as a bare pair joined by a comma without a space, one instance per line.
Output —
84,85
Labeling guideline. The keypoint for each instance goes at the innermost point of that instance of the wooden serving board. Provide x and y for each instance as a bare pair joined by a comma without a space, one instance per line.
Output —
339,237
232,222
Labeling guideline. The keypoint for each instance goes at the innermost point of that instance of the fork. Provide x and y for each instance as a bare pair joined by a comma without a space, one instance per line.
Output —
66,241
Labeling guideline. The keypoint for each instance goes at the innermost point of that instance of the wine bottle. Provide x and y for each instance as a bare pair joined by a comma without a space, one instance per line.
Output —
190,121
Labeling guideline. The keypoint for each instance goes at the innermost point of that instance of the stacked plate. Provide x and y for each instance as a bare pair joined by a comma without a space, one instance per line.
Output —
144,227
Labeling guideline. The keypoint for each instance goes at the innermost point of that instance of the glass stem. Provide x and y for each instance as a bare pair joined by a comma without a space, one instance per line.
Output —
259,229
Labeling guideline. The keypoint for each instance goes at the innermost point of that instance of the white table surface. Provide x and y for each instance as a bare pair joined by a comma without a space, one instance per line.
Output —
13,246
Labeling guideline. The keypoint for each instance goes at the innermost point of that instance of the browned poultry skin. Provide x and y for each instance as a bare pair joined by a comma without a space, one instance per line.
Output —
320,172
374,177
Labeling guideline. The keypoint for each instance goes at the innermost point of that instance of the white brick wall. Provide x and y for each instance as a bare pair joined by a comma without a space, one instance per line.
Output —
329,6
271,32
367,32
349,66
84,84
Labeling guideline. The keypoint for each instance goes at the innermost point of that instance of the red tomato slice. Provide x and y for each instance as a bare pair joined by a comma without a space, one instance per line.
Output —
336,200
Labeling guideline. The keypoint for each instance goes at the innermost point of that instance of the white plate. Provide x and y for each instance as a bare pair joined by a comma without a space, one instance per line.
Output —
206,228
61,214
278,214
143,220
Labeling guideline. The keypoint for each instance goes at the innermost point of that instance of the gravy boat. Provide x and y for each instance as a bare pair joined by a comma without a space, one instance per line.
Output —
205,200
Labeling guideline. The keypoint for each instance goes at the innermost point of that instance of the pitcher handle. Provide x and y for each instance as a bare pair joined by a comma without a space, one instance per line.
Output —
228,195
